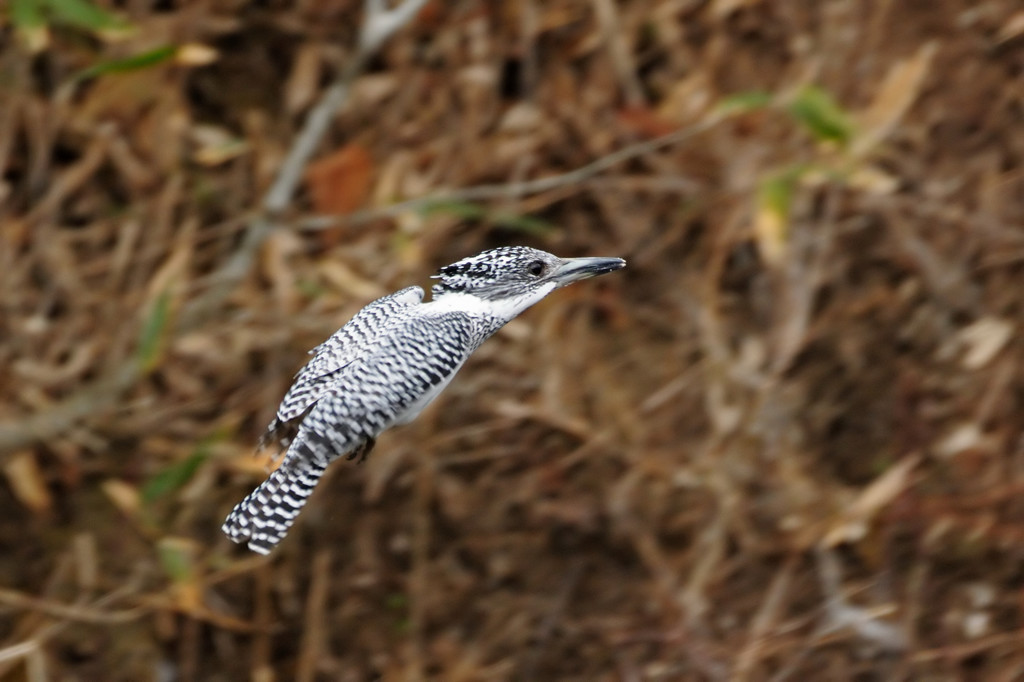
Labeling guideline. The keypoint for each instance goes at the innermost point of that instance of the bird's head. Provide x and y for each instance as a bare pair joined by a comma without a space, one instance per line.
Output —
517,273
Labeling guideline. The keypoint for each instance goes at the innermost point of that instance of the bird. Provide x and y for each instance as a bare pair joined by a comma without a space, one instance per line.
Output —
384,366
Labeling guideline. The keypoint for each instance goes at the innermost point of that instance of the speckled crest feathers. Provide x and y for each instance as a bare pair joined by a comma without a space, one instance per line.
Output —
384,367
493,274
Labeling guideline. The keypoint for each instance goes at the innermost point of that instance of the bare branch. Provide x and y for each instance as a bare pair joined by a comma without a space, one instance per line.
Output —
317,123
841,615
94,398
380,23
71,612
515,190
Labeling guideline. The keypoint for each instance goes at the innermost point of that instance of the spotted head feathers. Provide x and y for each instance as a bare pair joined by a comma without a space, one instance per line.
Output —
517,271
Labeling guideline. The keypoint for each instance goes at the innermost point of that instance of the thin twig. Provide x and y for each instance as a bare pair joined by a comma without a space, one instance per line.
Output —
316,605
419,578
765,618
92,399
19,650
379,24
514,190
317,123
72,612
621,58
841,615
34,641
262,618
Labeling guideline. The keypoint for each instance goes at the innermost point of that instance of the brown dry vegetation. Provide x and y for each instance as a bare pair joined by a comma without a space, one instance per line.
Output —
784,444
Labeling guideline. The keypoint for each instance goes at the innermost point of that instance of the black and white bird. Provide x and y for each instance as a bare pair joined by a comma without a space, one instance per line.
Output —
387,364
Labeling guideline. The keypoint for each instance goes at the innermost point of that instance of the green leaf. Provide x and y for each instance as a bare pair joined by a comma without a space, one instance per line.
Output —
460,209
154,329
85,15
771,220
132,63
27,14
30,23
745,101
776,191
396,601
177,559
818,111
310,288
175,476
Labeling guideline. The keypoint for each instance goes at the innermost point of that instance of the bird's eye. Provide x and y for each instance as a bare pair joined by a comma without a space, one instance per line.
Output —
536,268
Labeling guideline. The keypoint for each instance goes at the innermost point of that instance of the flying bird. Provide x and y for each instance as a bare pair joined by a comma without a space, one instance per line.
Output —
385,366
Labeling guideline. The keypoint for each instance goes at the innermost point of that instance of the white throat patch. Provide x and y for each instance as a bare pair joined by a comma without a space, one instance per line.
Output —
503,308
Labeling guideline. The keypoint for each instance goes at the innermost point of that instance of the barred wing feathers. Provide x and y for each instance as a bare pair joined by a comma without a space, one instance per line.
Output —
400,376
405,370
332,357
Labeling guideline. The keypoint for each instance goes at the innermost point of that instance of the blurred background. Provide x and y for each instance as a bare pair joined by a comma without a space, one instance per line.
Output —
783,444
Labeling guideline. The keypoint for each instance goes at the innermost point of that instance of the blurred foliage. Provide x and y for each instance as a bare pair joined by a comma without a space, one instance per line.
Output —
153,337
174,477
32,18
818,111
784,443
134,62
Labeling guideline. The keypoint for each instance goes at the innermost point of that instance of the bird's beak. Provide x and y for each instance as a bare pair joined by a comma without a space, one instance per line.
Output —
574,269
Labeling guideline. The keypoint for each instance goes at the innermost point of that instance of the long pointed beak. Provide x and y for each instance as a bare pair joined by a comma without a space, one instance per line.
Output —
574,269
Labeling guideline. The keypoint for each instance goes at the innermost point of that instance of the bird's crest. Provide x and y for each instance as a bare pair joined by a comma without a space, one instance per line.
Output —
497,273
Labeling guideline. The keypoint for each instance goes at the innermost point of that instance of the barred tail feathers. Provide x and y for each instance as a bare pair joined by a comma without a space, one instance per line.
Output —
263,518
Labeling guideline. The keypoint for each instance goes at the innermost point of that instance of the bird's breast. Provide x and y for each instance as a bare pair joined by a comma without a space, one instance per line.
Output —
420,404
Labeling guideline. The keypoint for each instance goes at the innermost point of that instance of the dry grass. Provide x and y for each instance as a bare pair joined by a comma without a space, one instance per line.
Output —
784,444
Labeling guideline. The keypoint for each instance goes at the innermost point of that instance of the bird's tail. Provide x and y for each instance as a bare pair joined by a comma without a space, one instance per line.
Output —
263,518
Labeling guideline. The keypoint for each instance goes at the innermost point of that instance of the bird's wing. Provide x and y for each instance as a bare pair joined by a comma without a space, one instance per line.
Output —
408,365
357,338
391,384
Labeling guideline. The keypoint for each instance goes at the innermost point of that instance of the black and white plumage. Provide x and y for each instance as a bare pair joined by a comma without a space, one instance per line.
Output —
387,364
